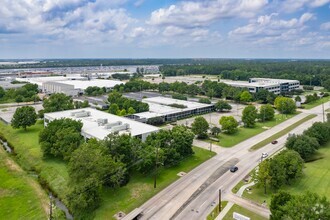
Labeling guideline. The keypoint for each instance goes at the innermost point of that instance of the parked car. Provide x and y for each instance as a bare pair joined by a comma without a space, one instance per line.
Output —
264,155
233,169
274,142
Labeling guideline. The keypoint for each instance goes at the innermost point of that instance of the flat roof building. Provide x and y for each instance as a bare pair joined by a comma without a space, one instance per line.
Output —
276,86
98,124
171,109
71,85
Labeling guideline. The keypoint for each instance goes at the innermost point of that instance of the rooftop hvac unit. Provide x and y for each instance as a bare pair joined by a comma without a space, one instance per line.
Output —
102,121
120,127
82,114
110,125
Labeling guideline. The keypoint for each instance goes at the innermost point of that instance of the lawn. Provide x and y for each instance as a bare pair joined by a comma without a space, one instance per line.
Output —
18,198
316,179
215,212
140,187
316,103
281,133
229,140
54,172
242,211
29,156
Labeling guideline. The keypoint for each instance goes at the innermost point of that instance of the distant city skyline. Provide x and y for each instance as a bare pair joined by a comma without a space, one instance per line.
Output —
290,29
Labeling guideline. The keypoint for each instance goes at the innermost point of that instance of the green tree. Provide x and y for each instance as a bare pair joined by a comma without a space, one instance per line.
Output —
58,102
250,114
122,112
204,100
297,98
326,84
2,92
210,93
131,111
245,96
306,146
261,175
320,131
228,124
215,131
307,206
277,204
222,105
61,137
266,113
200,127
113,109
285,105
24,117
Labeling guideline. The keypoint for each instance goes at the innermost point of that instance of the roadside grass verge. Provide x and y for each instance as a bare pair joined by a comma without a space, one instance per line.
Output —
140,187
316,102
229,140
315,179
242,211
281,133
238,186
215,212
18,197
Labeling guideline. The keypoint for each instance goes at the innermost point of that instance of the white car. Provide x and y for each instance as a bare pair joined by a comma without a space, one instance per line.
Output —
264,155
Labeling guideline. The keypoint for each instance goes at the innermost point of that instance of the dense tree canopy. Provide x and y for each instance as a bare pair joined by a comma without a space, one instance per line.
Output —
61,137
306,146
24,117
58,102
222,105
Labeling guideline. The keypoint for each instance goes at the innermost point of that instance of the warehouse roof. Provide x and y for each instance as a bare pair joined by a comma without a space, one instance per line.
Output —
100,124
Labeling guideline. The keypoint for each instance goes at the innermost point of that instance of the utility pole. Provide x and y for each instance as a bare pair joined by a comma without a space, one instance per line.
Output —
219,200
50,207
323,113
210,140
155,177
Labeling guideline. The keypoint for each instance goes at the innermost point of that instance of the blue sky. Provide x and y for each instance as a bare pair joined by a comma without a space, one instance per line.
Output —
165,29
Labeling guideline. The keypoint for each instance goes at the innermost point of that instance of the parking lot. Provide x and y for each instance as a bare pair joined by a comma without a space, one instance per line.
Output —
7,113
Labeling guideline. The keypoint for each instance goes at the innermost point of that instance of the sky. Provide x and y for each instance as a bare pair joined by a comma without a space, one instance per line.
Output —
293,29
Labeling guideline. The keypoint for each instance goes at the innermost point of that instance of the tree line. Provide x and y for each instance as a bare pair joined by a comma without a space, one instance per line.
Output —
26,93
96,164
306,71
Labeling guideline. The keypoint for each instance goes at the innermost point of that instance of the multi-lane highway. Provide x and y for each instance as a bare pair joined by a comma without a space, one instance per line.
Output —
179,200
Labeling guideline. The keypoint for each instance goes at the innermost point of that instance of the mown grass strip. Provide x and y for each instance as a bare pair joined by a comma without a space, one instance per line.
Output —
215,212
316,103
281,133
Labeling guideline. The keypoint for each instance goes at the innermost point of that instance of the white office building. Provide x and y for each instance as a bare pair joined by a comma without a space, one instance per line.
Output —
98,124
276,86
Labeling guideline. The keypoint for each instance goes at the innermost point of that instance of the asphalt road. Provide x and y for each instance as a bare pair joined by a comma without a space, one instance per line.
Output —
167,203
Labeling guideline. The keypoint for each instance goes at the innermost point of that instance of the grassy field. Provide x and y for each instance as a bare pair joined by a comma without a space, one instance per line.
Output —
229,140
54,172
281,133
29,156
140,188
316,179
215,212
242,211
316,103
20,195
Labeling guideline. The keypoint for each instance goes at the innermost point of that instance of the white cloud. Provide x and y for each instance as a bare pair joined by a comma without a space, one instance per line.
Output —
325,26
295,5
203,13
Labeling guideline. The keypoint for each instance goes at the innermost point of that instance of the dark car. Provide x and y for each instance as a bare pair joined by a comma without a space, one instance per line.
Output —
274,142
233,169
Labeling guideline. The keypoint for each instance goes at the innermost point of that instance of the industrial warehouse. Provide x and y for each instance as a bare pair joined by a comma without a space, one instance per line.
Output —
98,124
72,85
171,109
